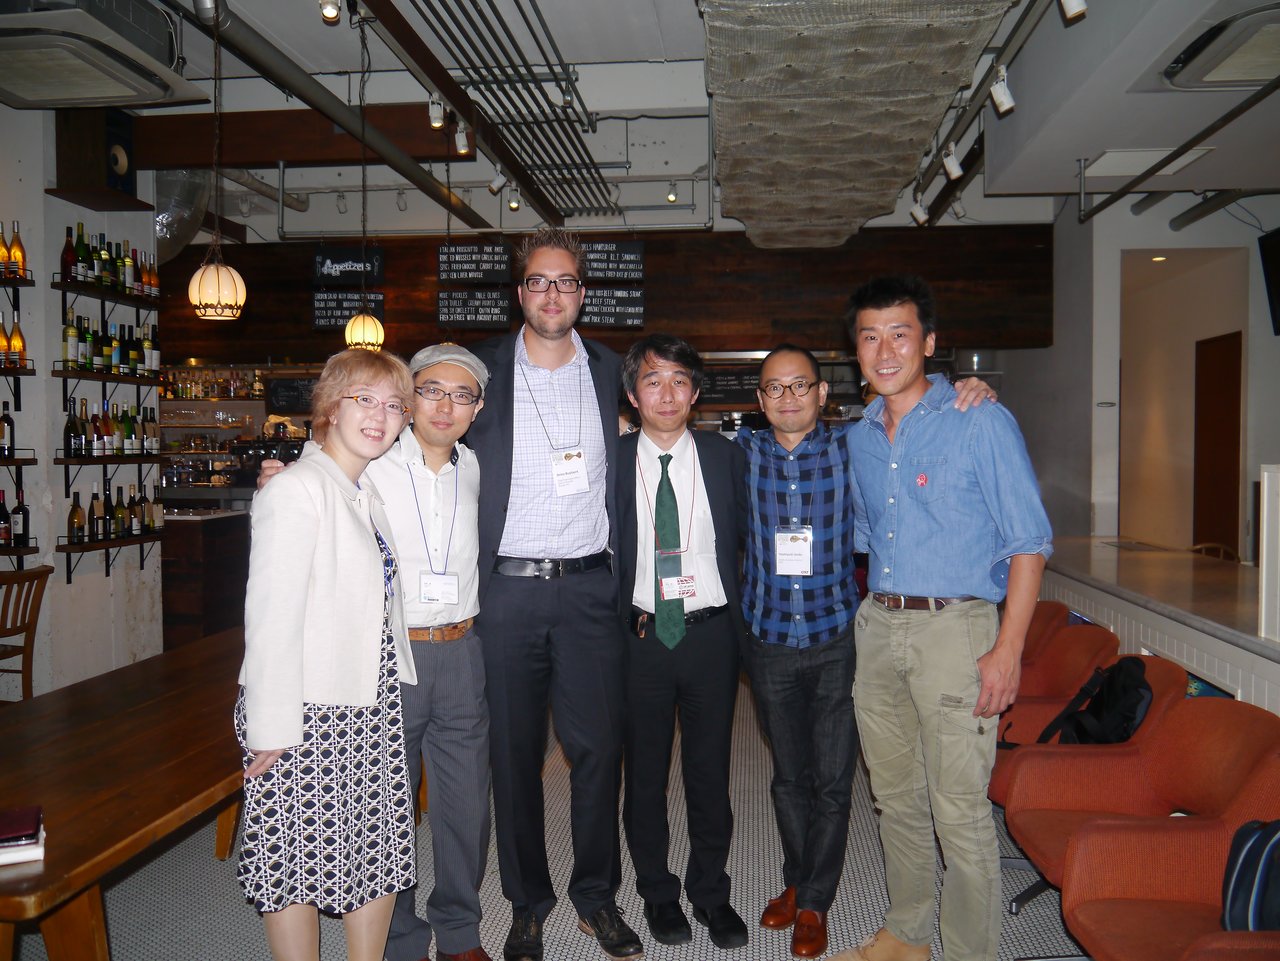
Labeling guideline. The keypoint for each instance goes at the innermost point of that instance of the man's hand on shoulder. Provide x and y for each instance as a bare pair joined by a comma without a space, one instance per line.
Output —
268,469
971,392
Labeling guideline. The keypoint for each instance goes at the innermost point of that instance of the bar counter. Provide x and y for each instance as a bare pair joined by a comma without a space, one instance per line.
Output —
1199,611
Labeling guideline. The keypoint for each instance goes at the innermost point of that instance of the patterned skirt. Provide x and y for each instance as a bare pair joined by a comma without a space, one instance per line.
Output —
331,823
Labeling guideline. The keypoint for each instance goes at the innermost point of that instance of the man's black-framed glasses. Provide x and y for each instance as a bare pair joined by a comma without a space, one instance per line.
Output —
797,387
431,392
540,285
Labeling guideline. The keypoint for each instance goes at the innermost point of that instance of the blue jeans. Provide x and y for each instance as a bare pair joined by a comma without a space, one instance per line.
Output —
804,698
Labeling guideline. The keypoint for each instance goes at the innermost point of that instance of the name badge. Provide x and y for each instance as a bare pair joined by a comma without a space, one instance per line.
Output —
677,587
436,588
569,472
793,550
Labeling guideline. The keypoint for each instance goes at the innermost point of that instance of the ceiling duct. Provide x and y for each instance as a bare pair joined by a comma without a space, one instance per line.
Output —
77,53
823,109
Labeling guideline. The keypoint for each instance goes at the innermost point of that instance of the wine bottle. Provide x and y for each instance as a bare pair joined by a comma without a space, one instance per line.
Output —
4,343
77,523
102,363
96,533
82,254
67,259
7,445
130,270
70,340
150,367
128,434
87,346
95,261
99,445
145,520
17,356
157,509
20,522
6,532
108,514
86,429
117,431
108,264
119,269
131,508
4,252
72,438
115,350
120,523
17,254
129,349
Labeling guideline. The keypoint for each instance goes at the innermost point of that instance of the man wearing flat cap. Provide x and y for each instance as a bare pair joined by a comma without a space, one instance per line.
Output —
430,484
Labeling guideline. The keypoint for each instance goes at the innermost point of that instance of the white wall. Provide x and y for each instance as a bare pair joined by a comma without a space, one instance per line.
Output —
97,623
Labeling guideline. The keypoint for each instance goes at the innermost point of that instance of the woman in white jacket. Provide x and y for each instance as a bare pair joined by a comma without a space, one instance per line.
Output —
328,813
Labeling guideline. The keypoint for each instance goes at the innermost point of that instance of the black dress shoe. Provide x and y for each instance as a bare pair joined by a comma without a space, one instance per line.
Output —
524,940
616,939
667,922
727,930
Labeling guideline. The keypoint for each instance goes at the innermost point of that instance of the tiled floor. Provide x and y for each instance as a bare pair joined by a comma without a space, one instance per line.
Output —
184,904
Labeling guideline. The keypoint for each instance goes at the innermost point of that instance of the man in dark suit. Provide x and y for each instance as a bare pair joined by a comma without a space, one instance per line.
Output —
680,495
547,442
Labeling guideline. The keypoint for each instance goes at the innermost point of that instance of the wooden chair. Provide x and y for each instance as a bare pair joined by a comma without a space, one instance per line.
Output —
1213,549
20,595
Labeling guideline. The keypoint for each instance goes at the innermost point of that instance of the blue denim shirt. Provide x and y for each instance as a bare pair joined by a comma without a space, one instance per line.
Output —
944,507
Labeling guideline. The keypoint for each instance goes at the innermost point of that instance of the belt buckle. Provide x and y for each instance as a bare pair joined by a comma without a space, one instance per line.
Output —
545,568
889,606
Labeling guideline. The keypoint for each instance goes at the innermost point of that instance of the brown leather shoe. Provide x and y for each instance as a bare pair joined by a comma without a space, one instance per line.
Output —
780,912
883,946
471,954
809,939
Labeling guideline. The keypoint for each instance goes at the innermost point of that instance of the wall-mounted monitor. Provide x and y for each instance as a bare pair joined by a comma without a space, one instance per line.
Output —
1269,249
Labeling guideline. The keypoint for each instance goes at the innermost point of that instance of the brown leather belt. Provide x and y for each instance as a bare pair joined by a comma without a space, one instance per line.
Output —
640,618
902,602
549,567
442,634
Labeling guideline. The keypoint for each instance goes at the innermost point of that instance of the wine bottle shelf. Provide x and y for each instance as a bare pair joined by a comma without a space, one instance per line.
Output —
85,547
20,551
75,373
26,280
18,461
108,459
94,292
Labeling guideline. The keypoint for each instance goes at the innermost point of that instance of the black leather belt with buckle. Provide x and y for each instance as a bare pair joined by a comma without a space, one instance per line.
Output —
640,620
905,602
548,567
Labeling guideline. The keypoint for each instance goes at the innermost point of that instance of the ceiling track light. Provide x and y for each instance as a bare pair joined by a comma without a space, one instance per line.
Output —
513,198
331,11
497,183
951,163
1073,9
1000,95
460,141
435,112
342,202
672,196
402,202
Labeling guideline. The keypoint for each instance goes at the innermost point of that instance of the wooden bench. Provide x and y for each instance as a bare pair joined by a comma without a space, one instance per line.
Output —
118,762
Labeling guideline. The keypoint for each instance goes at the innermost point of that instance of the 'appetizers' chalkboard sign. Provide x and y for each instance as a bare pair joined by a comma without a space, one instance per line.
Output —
290,395
341,266
618,262
475,264
333,308
474,309
613,307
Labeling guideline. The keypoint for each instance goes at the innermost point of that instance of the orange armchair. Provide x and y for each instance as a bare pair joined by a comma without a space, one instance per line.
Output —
1151,889
1194,762
1064,663
1048,618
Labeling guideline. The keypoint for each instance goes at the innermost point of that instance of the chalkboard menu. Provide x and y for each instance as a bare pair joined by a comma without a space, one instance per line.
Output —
333,308
619,262
474,309
619,307
341,266
477,263
730,385
290,395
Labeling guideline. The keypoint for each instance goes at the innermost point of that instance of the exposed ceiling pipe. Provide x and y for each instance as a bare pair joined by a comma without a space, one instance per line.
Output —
1143,204
254,49
1212,203
299,202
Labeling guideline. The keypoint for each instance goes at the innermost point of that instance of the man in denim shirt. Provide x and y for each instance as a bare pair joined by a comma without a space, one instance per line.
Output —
948,506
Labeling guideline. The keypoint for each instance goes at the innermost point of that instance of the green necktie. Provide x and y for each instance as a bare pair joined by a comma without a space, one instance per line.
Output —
668,615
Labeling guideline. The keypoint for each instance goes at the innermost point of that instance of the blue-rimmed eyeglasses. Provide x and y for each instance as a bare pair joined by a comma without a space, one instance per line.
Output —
432,392
369,402
566,285
797,387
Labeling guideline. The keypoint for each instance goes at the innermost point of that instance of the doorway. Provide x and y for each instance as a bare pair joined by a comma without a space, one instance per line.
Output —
1216,498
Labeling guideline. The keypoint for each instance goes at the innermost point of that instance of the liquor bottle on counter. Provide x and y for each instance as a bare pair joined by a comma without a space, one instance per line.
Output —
77,522
120,518
17,354
72,437
7,444
17,255
108,514
67,259
83,270
20,522
6,532
71,340
96,532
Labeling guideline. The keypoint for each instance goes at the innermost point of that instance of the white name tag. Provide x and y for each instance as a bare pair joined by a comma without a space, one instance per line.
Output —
569,472
436,588
793,550
680,586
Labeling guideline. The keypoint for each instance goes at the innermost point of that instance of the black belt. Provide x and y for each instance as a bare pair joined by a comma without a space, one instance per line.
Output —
640,618
905,602
548,567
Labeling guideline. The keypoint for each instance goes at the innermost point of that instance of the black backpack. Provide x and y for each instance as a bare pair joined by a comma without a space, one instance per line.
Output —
1107,709
1251,886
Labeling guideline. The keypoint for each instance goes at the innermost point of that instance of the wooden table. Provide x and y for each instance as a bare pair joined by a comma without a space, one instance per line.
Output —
119,762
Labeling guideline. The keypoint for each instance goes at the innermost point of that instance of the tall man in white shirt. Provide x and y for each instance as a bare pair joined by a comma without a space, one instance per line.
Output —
430,484
680,495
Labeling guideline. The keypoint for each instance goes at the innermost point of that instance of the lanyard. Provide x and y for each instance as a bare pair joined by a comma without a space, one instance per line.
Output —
774,501
423,527
686,532
529,387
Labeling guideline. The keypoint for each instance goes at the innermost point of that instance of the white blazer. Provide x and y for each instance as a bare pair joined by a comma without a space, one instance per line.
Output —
313,610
